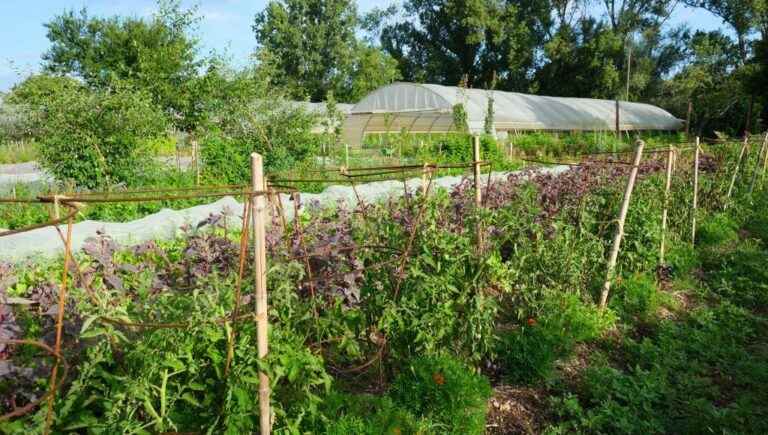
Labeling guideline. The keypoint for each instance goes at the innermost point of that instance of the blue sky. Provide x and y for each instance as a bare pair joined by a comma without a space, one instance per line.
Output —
226,25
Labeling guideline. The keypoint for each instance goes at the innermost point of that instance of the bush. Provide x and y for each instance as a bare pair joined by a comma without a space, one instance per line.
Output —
279,131
99,138
718,229
445,391
529,353
369,415
636,296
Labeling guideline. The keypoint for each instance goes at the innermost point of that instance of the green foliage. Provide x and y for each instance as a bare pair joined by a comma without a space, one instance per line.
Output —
98,138
279,131
445,391
460,118
529,352
717,230
369,415
315,50
157,55
636,295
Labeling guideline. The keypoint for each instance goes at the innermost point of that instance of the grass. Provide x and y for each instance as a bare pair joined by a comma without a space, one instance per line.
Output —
17,152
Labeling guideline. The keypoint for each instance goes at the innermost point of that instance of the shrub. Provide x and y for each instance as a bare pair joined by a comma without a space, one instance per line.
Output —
281,132
369,415
445,391
636,295
717,229
98,138
529,353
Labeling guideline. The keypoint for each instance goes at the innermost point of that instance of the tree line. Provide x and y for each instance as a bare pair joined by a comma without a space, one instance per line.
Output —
313,49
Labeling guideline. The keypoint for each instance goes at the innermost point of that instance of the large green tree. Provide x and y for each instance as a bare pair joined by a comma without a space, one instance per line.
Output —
445,41
315,50
158,54
710,82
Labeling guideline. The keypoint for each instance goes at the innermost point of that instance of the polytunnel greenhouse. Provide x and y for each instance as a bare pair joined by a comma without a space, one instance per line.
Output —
428,108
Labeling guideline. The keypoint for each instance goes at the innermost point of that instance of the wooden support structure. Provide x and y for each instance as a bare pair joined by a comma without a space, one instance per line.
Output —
476,157
425,170
614,255
62,303
476,167
695,206
196,156
765,165
763,150
346,155
258,214
665,212
736,170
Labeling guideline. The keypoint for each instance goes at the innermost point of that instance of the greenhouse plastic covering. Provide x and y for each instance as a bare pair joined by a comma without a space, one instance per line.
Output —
429,108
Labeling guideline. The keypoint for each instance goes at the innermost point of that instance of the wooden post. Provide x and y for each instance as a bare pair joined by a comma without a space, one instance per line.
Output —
762,172
763,149
258,211
736,170
618,121
688,120
424,171
196,152
665,212
346,155
59,324
476,158
620,225
695,190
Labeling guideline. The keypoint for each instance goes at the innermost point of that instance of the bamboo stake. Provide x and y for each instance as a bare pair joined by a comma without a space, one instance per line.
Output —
424,172
736,170
478,194
695,190
765,166
59,323
346,155
260,279
196,151
620,225
763,149
476,158
665,212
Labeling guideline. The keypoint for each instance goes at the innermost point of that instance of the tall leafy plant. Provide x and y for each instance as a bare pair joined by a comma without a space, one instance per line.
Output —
98,138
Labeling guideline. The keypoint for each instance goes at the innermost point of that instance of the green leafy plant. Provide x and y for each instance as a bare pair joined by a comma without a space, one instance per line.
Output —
446,391
99,138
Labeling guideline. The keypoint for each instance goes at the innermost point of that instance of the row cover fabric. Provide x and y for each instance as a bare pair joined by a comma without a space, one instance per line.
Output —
45,243
429,108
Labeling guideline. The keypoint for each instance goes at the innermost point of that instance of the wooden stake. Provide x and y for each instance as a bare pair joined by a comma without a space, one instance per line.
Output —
476,158
620,225
763,149
695,190
61,307
346,155
196,152
736,170
664,213
765,165
258,213
478,194
618,121
424,172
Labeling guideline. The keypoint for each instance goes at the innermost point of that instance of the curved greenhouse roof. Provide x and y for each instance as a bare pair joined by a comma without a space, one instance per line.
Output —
429,108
